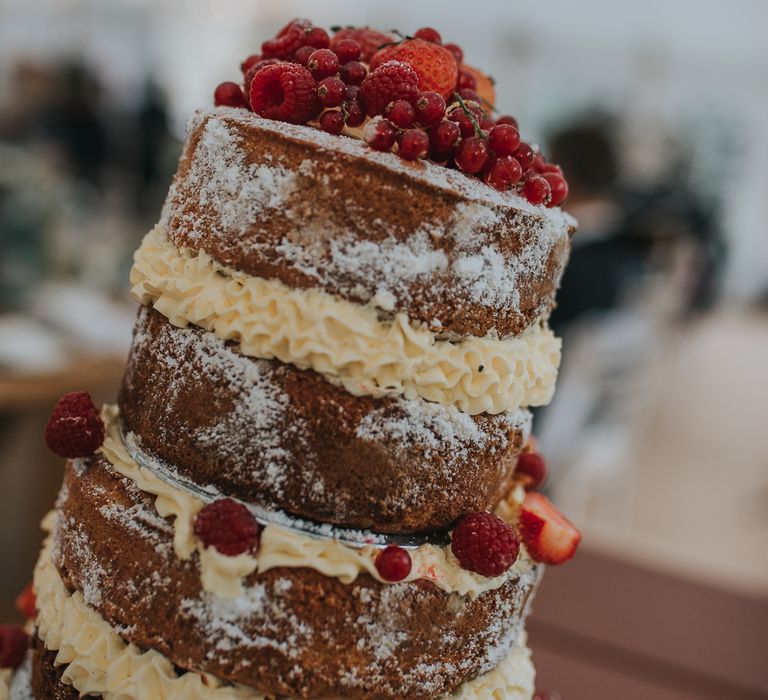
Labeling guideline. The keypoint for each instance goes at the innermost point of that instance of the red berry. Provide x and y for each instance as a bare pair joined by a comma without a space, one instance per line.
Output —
466,81
525,155
332,122
430,108
323,63
352,92
413,144
458,54
485,544
400,113
487,123
354,112
353,72
393,563
536,190
26,603
532,469
469,94
503,139
75,428
504,172
252,60
464,121
14,643
248,77
347,50
229,527
429,34
229,95
558,188
286,92
548,168
316,37
302,55
288,40
380,134
391,81
444,136
330,92
548,535
471,155
369,40
506,119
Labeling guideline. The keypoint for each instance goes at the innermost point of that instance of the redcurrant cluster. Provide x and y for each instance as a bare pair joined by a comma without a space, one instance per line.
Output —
415,95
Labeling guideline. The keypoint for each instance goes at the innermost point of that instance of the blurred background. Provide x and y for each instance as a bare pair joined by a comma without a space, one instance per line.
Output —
657,440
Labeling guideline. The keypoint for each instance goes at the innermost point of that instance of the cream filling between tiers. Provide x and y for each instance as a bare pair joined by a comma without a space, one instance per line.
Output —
279,547
6,676
345,342
98,660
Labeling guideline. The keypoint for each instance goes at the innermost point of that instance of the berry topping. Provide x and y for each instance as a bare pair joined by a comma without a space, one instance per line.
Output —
229,95
346,49
249,62
504,139
435,66
503,173
483,86
285,91
393,563
14,643
75,428
353,73
506,119
485,544
288,40
330,92
369,40
401,113
391,81
525,156
380,134
332,122
466,80
317,38
430,108
532,469
472,154
229,527
557,186
354,112
413,144
302,55
323,63
464,121
429,34
444,137
536,190
458,54
548,536
26,603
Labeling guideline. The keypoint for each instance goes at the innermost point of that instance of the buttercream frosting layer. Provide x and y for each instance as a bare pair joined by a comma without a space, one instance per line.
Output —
349,344
98,660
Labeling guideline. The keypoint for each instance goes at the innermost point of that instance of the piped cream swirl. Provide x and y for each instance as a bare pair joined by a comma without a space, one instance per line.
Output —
347,343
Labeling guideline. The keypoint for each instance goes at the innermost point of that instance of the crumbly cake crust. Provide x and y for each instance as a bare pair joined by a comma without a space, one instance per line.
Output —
285,438
295,632
293,203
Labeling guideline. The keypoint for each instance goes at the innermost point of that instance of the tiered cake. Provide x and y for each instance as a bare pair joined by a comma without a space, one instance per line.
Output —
309,485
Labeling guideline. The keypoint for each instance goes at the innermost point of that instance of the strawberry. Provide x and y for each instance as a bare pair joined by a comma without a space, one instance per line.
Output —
435,65
26,603
370,40
548,536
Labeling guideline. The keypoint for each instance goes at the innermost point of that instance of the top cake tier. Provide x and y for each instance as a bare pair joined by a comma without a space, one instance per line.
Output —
312,210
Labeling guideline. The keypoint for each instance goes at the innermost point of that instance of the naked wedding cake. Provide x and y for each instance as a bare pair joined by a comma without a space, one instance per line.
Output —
318,478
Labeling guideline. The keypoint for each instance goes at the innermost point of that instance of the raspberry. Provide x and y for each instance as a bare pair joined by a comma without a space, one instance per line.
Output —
14,643
229,527
429,34
255,68
536,190
330,91
558,187
413,144
288,40
435,66
430,108
393,563
75,428
347,50
353,73
485,544
401,113
332,122
323,63
472,155
229,95
532,469
369,40
26,603
391,81
380,134
286,92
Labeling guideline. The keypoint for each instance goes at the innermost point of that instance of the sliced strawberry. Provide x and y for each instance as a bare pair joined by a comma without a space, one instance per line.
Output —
26,603
547,534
